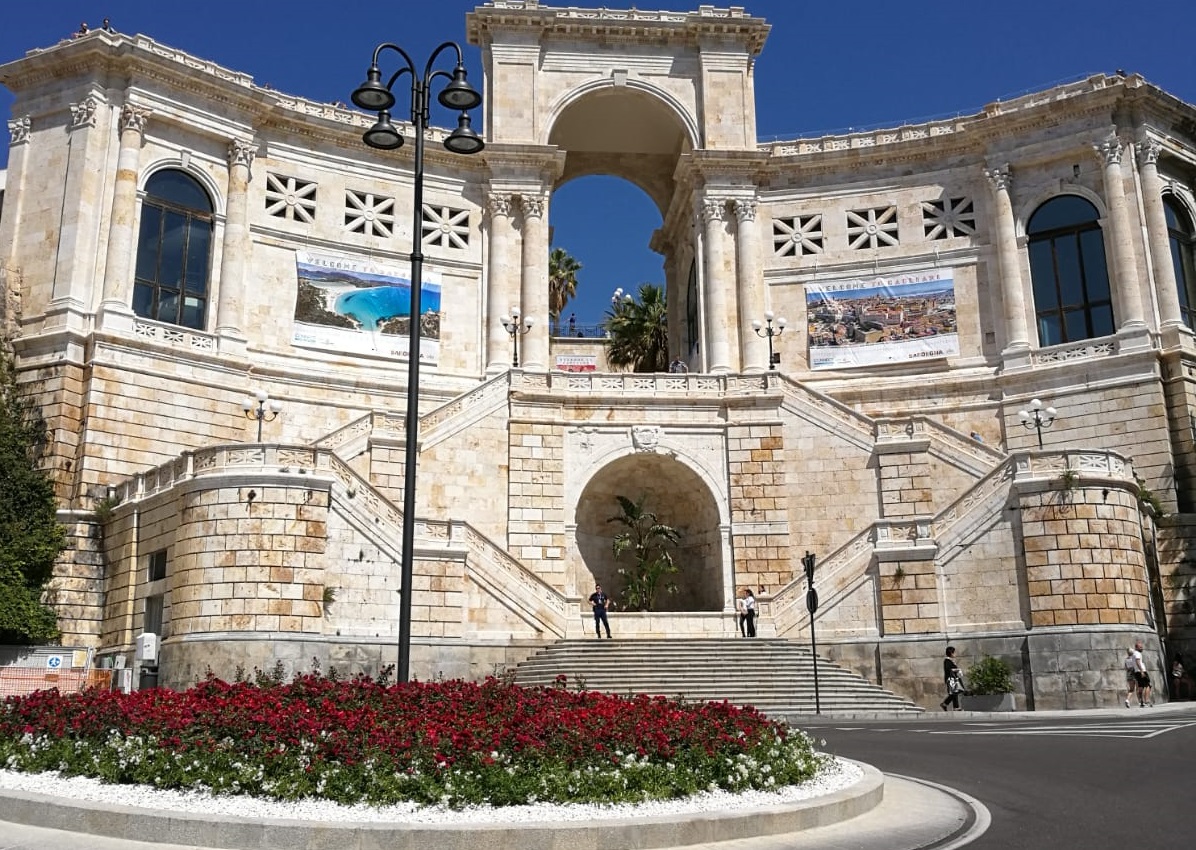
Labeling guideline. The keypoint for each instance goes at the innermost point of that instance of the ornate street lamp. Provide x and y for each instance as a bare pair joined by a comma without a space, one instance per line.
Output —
763,330
458,95
1037,418
515,329
262,408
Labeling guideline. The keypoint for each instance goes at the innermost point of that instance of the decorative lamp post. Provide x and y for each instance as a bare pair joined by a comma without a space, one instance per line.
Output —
262,408
766,329
1037,417
515,329
373,96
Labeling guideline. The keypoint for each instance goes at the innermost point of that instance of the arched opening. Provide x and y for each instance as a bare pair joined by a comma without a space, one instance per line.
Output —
1072,300
679,498
605,223
1182,236
174,250
622,143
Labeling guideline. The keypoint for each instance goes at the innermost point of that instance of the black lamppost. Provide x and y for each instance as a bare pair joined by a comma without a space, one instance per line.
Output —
266,409
769,331
516,330
1037,417
372,95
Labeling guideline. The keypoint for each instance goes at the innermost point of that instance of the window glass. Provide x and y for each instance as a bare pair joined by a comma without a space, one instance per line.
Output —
174,251
1070,279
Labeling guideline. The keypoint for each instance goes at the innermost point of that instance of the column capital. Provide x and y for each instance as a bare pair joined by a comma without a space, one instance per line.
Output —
1148,151
499,203
83,113
533,206
1110,150
18,130
241,152
712,209
1000,176
133,117
745,210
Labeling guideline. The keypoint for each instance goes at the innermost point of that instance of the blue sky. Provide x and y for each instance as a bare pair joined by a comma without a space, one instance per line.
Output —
826,67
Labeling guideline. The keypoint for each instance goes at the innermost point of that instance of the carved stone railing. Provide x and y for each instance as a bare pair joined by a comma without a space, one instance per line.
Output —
656,385
1088,349
835,575
174,336
1091,463
452,417
946,520
805,402
942,441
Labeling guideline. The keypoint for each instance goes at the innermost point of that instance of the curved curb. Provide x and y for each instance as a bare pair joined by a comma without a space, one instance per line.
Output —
977,824
140,824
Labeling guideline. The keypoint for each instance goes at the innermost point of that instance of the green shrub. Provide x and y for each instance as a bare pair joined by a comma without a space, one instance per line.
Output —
990,676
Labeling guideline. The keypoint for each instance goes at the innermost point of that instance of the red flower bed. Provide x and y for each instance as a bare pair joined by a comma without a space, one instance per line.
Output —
452,742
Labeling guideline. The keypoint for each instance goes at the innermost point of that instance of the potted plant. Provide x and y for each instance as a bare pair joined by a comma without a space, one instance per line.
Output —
990,686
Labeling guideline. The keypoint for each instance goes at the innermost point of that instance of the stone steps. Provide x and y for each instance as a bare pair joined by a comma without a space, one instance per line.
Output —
775,676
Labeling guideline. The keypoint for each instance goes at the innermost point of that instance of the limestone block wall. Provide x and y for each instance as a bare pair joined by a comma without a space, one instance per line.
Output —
59,393
1179,389
1085,563
363,576
76,590
983,581
250,563
1176,546
906,488
759,496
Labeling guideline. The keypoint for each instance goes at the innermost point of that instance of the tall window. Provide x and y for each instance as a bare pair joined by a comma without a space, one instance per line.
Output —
1070,277
1183,254
174,251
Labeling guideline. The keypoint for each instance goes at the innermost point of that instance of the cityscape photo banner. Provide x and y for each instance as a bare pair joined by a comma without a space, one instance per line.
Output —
882,320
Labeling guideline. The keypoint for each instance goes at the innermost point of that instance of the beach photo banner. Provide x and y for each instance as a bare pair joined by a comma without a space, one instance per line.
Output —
357,305
882,320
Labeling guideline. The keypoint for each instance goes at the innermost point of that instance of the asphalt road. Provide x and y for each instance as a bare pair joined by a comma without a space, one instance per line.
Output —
1121,780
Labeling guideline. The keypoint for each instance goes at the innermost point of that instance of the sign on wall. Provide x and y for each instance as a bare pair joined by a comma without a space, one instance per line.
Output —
882,320
576,363
358,305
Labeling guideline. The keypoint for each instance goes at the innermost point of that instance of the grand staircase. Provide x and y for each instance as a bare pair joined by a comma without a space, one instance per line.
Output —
775,676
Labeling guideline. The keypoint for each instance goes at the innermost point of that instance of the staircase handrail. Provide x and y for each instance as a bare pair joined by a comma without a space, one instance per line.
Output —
798,394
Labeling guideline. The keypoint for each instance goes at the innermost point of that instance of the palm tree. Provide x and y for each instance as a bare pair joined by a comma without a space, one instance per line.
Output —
638,331
562,281
648,541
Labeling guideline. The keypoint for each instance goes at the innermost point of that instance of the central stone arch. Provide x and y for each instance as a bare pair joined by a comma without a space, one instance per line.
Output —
680,498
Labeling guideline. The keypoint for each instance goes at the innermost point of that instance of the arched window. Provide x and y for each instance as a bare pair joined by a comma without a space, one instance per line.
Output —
1067,266
1183,255
174,251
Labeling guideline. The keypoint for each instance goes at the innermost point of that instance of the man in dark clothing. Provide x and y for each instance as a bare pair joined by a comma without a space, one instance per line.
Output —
953,677
600,602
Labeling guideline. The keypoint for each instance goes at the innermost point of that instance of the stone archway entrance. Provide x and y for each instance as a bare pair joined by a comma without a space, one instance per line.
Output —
680,499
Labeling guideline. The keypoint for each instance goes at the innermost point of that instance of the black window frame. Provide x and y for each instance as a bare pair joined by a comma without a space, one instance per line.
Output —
1053,314
1181,241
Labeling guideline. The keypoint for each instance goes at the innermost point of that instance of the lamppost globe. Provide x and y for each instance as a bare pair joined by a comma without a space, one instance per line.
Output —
769,328
375,96
1037,417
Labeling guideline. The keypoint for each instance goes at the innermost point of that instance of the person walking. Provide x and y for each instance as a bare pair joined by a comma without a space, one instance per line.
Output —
599,601
953,677
1131,680
749,611
741,614
1142,676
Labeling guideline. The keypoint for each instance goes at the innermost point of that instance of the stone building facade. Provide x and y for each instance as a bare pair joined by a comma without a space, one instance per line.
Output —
174,234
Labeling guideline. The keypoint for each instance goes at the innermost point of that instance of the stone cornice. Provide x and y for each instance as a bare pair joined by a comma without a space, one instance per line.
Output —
520,168
626,26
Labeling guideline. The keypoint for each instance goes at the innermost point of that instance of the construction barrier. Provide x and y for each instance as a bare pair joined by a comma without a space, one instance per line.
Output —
22,681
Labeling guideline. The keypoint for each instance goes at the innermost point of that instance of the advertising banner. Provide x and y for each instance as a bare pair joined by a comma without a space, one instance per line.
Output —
357,305
882,320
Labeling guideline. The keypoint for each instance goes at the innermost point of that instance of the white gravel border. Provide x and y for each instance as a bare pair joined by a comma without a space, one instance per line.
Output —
836,776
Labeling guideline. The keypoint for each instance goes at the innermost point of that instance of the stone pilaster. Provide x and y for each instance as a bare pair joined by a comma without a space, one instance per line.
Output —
909,595
717,286
19,130
1165,289
759,506
753,349
1125,276
74,266
533,348
118,268
1013,298
230,315
536,528
501,290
